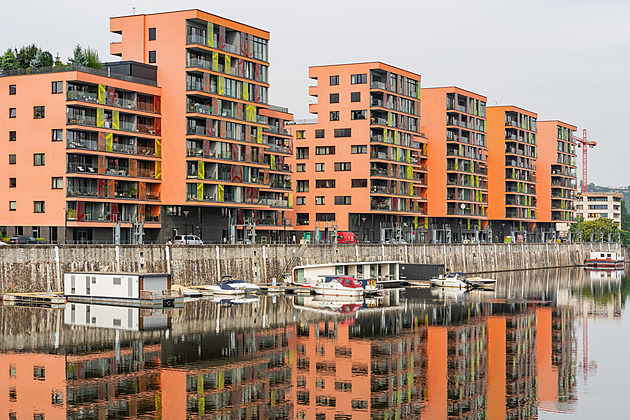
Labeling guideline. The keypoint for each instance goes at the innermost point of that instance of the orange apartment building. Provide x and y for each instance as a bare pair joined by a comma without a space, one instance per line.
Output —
362,166
218,181
513,194
454,121
557,175
81,151
189,146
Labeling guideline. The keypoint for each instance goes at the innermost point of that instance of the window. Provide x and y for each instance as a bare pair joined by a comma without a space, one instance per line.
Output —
359,183
355,97
57,87
39,159
302,218
343,132
12,159
300,134
358,115
342,166
12,182
12,371
319,134
300,167
359,149
39,373
357,79
12,394
319,167
324,217
57,397
57,134
343,200
325,183
12,89
301,153
12,113
57,183
12,206
300,201
334,80
320,200
334,115
151,34
325,150
334,98
12,135
39,112
151,56
39,207
301,185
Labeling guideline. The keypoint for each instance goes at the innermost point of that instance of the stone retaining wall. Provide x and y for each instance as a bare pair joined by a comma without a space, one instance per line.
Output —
31,268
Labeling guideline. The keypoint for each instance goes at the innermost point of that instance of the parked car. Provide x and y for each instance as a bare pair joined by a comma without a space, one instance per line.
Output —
25,240
346,238
188,240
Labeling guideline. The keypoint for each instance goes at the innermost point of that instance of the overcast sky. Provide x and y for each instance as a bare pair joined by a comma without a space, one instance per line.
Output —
564,59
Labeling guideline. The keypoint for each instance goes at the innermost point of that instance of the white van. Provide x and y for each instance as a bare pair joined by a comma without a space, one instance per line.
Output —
188,240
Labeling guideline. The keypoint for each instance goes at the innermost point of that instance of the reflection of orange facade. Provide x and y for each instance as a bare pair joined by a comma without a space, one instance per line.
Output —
253,383
32,384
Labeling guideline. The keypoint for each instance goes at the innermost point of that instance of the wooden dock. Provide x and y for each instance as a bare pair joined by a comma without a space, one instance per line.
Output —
35,299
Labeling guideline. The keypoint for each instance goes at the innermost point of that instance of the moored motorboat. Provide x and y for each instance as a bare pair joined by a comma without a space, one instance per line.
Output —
339,286
457,280
481,282
231,286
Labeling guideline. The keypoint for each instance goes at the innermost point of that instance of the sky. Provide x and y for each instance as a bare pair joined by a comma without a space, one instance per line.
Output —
566,60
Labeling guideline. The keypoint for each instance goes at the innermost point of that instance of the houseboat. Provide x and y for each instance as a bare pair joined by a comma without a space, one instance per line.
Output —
125,289
372,275
605,260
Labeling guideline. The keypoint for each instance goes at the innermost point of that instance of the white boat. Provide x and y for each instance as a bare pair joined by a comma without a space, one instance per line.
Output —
481,282
230,286
457,280
339,286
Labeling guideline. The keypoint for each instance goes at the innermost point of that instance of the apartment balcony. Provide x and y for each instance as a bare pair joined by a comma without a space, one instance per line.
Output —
124,148
199,108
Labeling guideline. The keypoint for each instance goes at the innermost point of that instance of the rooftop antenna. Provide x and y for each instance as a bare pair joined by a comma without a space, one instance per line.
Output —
134,10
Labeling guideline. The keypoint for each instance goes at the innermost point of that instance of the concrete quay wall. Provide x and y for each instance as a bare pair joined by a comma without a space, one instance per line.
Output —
36,268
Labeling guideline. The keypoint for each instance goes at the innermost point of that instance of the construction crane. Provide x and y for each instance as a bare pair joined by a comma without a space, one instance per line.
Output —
585,144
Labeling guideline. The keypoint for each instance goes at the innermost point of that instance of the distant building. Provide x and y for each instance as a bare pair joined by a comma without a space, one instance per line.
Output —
594,205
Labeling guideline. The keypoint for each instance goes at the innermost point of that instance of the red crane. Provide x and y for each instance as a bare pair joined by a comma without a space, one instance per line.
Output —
584,143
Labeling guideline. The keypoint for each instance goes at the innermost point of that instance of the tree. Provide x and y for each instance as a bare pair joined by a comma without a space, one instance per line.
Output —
601,226
58,61
42,59
85,57
24,55
7,61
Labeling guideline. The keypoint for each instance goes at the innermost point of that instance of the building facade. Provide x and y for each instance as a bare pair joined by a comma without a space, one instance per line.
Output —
82,154
557,175
454,121
512,183
218,180
595,205
361,166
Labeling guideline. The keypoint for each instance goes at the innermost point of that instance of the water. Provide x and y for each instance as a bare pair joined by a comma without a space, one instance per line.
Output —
517,352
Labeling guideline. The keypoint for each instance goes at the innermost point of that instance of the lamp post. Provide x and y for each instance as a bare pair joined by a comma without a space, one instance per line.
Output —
363,219
186,225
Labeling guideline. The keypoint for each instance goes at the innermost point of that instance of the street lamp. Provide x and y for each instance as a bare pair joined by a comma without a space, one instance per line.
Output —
363,219
186,225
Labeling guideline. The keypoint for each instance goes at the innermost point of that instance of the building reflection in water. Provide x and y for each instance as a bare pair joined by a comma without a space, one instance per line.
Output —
508,354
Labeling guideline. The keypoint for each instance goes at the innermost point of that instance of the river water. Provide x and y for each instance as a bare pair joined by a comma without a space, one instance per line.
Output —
544,344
